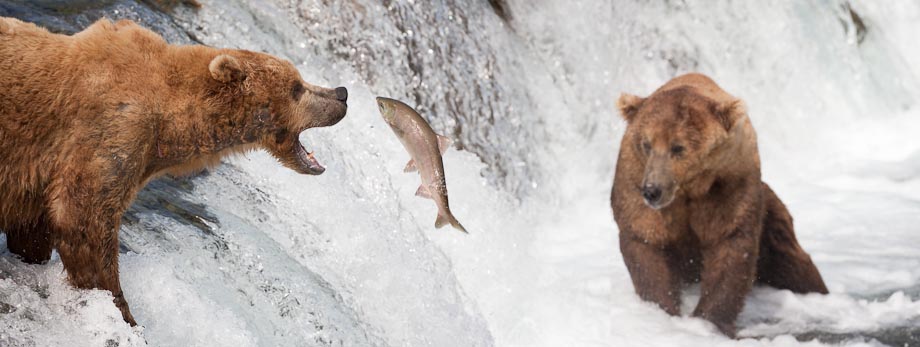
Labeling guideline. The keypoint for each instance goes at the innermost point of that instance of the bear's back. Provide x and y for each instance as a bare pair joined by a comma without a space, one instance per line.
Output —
12,26
122,40
701,84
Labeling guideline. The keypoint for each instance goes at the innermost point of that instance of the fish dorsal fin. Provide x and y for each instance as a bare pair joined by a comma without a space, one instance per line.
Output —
410,166
443,143
423,192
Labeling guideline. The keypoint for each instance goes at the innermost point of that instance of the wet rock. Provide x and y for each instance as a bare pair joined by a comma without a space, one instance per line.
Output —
166,196
501,9
6,308
68,17
169,5
852,23
901,336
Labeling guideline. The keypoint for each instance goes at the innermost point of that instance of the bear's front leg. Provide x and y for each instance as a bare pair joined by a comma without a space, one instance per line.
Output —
653,277
727,277
86,209
90,256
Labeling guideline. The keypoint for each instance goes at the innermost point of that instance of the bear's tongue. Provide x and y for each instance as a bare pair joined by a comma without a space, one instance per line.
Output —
307,161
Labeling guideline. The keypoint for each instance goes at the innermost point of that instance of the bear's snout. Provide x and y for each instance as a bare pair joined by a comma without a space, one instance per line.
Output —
652,194
326,107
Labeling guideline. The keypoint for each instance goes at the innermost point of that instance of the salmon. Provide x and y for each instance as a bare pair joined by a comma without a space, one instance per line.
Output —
425,147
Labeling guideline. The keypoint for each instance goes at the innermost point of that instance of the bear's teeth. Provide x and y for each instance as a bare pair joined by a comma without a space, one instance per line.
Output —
308,160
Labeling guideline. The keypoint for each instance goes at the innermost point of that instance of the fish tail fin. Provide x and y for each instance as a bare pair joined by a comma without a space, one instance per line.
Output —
456,224
444,219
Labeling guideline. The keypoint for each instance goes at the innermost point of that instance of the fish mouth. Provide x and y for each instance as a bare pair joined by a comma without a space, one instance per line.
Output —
386,108
305,162
383,103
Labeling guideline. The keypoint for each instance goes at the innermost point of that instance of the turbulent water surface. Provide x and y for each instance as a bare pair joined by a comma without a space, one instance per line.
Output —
252,254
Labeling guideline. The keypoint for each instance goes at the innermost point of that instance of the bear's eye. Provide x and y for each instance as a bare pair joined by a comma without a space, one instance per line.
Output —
297,90
646,146
677,149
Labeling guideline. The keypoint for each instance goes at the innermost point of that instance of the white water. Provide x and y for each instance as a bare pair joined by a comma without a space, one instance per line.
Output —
351,257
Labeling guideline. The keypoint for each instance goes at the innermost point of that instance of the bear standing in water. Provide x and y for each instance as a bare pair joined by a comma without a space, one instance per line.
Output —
87,120
691,207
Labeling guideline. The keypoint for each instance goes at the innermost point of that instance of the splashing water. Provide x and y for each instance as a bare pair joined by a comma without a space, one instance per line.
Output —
252,254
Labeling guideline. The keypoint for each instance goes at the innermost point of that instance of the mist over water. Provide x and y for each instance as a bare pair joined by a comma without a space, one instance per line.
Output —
253,254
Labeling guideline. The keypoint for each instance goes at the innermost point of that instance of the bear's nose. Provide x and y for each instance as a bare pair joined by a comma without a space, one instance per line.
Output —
651,193
341,94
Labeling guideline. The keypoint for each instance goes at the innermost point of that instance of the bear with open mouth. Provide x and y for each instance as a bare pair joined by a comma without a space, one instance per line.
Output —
87,120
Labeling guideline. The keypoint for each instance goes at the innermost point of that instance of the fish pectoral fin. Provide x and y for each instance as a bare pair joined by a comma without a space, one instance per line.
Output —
423,192
443,143
410,166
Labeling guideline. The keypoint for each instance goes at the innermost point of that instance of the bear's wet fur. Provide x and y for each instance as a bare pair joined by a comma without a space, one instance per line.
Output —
87,120
691,207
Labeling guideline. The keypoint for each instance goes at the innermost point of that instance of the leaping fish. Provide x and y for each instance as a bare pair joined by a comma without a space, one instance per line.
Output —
425,147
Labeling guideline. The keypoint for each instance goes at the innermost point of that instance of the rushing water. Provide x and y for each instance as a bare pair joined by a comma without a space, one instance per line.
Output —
254,254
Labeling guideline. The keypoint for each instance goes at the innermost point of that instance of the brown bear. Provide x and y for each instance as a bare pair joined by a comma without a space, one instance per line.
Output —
87,120
691,207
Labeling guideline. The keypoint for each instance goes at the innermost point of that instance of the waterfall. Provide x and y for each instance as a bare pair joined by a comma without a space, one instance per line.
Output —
253,254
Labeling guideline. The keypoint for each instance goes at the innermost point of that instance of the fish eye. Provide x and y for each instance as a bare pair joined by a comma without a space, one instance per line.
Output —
677,149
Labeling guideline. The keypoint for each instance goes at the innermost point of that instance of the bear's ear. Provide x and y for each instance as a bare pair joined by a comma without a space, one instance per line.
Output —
225,68
728,113
629,105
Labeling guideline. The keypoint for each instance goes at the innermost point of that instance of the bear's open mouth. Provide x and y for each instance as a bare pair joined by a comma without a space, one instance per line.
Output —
307,162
